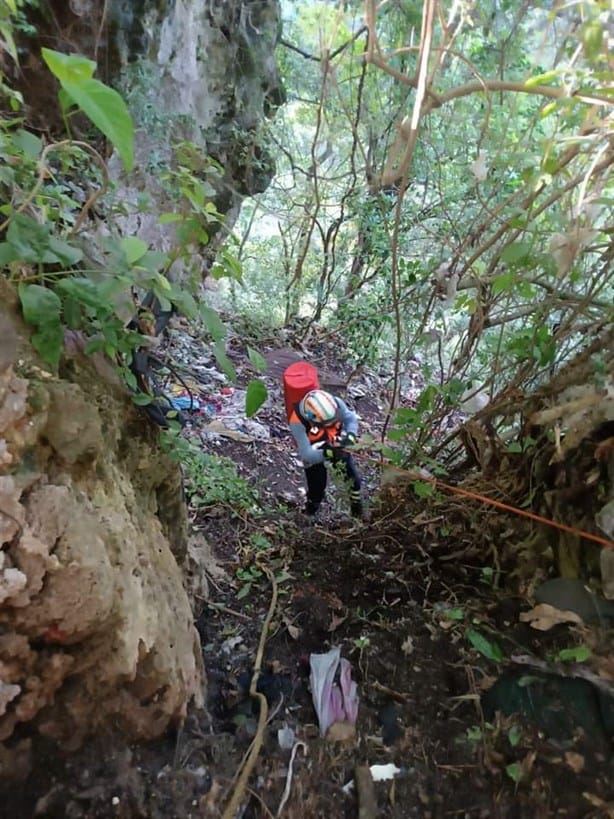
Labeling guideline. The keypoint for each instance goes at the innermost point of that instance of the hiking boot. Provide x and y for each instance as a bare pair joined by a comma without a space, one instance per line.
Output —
311,509
357,510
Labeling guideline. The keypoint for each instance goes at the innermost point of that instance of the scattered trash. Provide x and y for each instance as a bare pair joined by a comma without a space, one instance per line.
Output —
544,617
185,402
286,794
379,773
333,702
217,427
572,594
229,645
286,737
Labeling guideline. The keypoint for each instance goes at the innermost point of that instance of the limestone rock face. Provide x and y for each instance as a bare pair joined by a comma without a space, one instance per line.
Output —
95,623
202,71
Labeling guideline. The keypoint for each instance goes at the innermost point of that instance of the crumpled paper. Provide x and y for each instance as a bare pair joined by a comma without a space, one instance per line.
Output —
333,702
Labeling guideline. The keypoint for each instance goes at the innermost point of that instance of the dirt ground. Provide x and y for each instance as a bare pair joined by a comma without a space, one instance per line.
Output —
399,595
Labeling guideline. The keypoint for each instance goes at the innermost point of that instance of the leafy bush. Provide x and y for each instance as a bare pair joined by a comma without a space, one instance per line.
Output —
213,481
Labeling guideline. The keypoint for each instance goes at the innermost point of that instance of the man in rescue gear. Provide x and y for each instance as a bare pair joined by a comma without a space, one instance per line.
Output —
323,426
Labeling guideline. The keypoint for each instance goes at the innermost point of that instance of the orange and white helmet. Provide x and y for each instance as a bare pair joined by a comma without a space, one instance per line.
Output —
319,407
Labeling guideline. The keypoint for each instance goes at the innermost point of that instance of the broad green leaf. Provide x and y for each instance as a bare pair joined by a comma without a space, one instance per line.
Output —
185,302
41,308
27,142
504,283
141,399
213,323
257,360
71,310
487,649
12,6
71,68
134,248
224,362
38,303
153,261
255,397
29,239
82,290
7,254
62,252
108,112
578,654
515,252
7,40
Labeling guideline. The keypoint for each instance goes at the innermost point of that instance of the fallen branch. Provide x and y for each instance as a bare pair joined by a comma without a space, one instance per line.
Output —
241,785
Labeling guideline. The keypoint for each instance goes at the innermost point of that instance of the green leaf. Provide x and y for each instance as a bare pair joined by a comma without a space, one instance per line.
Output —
68,67
591,35
8,41
514,771
257,360
515,252
168,218
42,308
141,399
185,302
134,248
244,591
255,397
213,323
578,654
27,142
108,111
223,360
82,290
454,614
542,79
7,254
152,261
62,252
504,283
487,649
423,489
29,239
514,735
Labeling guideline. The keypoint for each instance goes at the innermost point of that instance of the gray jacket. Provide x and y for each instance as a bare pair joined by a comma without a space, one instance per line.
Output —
310,454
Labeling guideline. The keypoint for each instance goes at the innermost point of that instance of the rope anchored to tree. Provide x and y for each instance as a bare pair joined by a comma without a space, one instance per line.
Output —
466,493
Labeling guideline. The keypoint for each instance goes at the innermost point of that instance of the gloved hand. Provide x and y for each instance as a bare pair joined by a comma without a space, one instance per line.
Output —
346,439
329,452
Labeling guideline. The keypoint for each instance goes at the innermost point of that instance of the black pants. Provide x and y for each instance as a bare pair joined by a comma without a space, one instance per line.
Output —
316,482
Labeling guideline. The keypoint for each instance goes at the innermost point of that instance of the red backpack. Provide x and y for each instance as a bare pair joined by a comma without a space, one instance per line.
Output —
298,379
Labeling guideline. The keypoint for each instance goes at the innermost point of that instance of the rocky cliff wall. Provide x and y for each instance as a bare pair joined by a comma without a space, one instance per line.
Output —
95,624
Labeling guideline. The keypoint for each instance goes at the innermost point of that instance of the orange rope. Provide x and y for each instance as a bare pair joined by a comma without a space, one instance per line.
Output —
491,501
